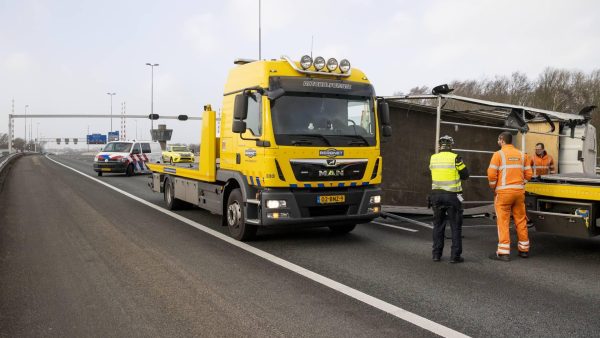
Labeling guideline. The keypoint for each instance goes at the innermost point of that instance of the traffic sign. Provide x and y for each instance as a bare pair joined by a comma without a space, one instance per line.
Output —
113,136
96,139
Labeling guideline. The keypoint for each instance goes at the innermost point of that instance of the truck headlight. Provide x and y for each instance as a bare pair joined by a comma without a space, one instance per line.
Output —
305,62
276,204
375,199
344,66
332,64
319,63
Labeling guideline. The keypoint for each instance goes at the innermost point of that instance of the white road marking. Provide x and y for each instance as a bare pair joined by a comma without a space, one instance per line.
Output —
394,226
330,283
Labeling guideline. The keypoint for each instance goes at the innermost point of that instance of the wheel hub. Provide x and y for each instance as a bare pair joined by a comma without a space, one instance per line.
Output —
234,213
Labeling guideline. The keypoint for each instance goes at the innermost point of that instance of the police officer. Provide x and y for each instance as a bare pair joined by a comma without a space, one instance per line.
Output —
447,171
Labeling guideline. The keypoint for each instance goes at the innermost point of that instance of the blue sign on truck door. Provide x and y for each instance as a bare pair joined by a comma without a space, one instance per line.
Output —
96,139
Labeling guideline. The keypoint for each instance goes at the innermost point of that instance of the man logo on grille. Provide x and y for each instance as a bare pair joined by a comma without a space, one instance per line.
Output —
331,173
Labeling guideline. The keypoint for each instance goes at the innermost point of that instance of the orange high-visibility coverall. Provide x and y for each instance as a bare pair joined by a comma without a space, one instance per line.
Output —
508,172
542,165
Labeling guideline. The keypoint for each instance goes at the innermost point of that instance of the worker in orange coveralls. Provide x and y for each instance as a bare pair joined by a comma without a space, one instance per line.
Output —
542,162
508,172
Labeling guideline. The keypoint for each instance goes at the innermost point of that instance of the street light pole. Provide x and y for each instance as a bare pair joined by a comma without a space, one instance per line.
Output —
25,136
152,65
111,95
37,135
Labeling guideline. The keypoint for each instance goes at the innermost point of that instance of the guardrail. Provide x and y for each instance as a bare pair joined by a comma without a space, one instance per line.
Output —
5,161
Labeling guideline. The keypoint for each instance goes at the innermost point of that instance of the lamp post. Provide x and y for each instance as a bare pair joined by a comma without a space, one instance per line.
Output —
111,95
25,136
37,135
152,65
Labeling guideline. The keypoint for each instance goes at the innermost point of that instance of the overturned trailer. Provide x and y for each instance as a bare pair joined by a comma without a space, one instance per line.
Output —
419,120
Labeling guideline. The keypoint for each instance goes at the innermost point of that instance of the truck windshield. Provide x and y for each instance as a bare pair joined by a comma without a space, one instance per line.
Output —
118,147
323,120
182,149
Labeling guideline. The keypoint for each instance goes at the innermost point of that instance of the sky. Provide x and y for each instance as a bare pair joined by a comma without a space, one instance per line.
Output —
62,57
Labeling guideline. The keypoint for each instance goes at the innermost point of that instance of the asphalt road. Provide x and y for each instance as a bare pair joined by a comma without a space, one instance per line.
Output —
79,259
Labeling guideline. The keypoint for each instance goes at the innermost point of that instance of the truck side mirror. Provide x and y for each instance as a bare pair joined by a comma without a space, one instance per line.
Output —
238,126
384,113
240,108
384,118
386,131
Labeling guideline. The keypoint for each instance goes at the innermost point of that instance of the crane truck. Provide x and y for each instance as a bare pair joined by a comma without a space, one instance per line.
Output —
299,146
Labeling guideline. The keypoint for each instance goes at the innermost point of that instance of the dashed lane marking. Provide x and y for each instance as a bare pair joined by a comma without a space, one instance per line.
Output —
330,283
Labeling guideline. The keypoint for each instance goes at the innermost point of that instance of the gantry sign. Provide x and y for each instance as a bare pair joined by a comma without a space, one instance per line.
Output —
11,117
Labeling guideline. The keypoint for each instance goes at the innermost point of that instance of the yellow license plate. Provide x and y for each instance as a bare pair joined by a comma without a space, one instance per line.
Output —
331,199
106,169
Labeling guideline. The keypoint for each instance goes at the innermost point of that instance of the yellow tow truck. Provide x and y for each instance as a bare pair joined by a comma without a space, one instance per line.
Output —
299,146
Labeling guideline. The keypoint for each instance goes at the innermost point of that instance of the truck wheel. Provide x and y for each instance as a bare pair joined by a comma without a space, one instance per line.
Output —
129,170
236,220
172,202
342,229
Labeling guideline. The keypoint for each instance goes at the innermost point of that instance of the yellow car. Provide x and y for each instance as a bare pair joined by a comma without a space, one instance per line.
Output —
177,154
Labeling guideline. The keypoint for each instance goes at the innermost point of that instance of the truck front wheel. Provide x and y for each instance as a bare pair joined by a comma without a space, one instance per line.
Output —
236,220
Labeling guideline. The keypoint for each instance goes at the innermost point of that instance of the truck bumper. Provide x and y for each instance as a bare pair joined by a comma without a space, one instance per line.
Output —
304,207
111,167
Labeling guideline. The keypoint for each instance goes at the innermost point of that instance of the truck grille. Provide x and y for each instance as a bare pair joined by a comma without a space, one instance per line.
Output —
328,169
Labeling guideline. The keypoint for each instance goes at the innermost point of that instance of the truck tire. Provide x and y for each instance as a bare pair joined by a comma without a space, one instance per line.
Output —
129,170
236,220
342,229
172,202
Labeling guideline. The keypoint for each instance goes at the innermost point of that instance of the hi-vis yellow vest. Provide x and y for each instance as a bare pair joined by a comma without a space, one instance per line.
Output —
444,172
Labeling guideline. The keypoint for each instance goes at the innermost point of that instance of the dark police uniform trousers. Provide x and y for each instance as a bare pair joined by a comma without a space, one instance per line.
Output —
446,206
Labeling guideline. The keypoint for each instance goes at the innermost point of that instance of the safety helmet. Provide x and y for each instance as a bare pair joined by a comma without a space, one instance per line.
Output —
446,140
